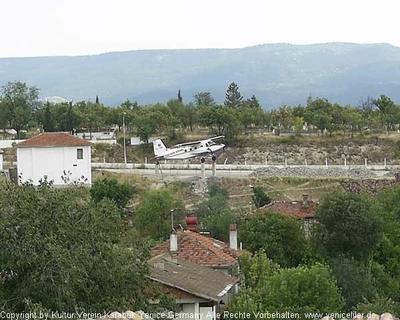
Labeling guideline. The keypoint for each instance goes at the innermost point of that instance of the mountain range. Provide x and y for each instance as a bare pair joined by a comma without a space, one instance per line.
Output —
276,74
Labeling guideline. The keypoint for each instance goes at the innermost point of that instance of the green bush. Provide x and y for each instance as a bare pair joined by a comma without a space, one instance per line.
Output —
110,188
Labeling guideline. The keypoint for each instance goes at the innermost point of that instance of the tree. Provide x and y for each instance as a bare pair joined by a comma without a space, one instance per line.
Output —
266,287
146,125
283,117
304,289
111,189
189,116
389,112
259,197
233,97
253,102
70,122
353,278
348,224
129,105
249,116
180,96
319,113
203,99
65,253
48,121
214,213
3,115
19,102
280,237
221,120
388,251
153,216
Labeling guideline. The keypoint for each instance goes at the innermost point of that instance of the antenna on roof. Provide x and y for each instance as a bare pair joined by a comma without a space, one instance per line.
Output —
172,220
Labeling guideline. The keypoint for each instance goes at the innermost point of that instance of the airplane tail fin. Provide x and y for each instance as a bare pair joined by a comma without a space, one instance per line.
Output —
159,147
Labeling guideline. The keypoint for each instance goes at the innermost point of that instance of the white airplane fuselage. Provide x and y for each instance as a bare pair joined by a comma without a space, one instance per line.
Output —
181,153
186,150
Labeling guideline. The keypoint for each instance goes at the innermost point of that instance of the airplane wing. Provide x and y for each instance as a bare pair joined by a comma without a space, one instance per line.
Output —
197,142
216,138
187,143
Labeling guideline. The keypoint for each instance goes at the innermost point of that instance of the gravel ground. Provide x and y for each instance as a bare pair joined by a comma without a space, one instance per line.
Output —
353,173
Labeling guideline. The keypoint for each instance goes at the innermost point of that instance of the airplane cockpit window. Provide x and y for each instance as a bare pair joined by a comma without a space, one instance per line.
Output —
207,145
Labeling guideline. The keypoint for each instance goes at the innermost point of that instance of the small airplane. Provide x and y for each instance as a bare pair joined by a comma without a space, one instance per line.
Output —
187,150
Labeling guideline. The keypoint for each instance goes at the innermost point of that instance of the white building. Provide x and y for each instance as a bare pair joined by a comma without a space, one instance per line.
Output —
1,159
61,157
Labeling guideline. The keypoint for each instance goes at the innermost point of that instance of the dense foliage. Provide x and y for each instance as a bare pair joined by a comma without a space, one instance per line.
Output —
156,213
111,189
214,213
259,197
280,237
19,109
62,252
268,288
348,224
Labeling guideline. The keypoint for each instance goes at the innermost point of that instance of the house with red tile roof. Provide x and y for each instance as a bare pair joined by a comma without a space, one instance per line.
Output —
303,210
202,270
59,156
184,281
202,250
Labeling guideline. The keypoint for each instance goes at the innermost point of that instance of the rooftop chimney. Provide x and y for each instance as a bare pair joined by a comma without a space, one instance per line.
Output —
233,238
191,224
173,242
305,201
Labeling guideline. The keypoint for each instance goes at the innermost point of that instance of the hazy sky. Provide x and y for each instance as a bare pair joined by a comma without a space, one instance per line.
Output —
80,27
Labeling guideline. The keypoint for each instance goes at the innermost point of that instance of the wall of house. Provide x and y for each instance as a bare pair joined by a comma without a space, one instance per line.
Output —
34,163
189,309
194,311
207,313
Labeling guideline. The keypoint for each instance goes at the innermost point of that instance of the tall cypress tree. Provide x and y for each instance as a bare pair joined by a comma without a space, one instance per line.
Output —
180,96
48,121
70,123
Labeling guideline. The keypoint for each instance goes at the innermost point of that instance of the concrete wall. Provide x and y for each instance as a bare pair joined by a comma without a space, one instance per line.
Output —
35,163
228,167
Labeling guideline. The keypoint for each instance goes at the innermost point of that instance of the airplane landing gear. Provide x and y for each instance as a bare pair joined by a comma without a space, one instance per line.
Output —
214,158
202,160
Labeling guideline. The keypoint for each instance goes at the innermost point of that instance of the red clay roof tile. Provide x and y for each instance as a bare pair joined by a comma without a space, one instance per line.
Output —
201,250
53,139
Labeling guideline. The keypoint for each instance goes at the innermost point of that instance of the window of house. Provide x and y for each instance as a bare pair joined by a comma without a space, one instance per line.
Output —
79,153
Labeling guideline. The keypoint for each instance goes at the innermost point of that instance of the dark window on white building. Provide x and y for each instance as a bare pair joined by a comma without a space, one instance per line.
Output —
79,153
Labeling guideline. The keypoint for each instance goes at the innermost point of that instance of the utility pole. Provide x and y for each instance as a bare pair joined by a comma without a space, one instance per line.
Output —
123,124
